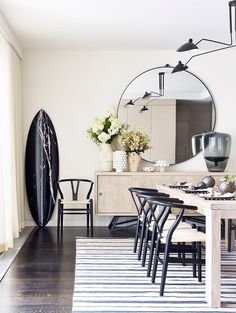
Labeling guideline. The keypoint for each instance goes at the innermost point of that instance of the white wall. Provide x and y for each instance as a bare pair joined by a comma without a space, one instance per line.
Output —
73,87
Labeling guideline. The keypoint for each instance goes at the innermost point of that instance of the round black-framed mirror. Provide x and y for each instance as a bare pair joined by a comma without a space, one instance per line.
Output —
173,109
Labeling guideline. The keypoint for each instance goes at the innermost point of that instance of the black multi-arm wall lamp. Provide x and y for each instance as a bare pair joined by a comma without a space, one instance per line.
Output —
190,45
152,94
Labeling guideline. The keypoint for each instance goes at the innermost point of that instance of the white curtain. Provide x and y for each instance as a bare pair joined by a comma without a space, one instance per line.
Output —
11,148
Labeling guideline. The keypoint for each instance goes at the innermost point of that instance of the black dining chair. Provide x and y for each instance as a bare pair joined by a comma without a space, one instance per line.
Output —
142,197
142,213
152,211
167,241
75,199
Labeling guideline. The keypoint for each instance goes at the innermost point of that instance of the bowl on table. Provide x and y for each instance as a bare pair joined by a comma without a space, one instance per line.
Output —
149,169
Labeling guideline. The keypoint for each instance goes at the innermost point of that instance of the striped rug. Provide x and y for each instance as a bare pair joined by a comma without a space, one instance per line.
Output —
109,278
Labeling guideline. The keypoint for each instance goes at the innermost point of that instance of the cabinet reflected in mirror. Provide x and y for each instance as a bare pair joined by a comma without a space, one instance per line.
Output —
183,109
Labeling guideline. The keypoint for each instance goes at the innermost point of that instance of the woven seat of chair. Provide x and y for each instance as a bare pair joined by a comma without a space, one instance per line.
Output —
185,235
75,201
169,223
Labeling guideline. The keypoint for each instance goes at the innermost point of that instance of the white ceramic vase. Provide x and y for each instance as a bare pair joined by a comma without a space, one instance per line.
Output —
134,160
105,157
119,161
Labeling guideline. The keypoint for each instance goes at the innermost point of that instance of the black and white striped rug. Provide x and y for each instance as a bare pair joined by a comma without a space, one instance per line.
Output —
109,278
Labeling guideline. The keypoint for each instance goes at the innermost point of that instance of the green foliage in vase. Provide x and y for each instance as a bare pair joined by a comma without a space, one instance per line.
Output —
228,179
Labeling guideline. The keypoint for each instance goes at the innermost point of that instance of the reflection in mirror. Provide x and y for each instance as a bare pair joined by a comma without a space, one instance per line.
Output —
177,109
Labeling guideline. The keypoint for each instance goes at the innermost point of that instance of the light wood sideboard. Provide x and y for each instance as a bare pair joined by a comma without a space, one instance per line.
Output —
112,195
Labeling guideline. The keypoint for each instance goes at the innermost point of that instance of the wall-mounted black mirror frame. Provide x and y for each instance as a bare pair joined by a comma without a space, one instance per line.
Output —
167,67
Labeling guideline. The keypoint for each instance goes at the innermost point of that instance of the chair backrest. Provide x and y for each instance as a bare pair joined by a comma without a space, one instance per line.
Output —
142,189
139,204
151,208
166,206
72,188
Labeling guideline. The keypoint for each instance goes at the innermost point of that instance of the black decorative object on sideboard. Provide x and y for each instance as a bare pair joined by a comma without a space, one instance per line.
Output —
41,168
216,150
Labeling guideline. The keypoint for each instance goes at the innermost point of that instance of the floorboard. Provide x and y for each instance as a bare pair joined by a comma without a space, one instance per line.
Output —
41,278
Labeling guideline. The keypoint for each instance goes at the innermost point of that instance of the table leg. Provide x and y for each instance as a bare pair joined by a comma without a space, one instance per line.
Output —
213,258
232,237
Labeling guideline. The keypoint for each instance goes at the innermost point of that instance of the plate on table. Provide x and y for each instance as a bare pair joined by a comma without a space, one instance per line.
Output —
226,196
195,191
179,185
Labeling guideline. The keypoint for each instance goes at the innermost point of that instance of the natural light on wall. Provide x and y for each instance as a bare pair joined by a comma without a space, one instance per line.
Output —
11,155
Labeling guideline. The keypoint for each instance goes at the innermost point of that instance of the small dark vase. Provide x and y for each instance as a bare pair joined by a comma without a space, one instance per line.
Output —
209,181
216,150
225,187
201,185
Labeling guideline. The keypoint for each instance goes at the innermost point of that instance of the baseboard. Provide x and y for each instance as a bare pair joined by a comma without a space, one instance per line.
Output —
76,221
8,257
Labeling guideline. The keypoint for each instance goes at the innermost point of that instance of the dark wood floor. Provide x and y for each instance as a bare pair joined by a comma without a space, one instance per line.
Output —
41,278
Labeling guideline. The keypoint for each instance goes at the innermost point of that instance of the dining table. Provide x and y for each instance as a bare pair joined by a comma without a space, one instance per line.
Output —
214,211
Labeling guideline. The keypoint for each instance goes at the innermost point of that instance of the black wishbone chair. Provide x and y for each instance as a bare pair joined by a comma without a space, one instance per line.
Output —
152,211
142,213
75,193
167,240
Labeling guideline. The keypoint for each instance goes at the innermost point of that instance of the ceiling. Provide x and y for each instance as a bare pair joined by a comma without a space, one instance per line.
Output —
114,24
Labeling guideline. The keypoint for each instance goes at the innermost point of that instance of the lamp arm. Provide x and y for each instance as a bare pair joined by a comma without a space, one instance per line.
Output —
207,52
156,93
136,99
153,100
215,41
231,5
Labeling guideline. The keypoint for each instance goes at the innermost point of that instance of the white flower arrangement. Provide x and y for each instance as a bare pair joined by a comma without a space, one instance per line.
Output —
104,130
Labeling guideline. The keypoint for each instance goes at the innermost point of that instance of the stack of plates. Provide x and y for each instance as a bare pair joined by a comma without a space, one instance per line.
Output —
179,185
218,196
195,191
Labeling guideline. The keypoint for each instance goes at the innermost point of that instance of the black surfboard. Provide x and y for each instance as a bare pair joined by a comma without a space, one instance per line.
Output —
41,168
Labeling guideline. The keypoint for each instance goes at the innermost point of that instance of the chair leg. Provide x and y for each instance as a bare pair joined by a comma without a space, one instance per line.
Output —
61,220
183,254
199,258
91,218
151,250
155,262
194,258
137,235
164,270
179,253
229,234
141,239
87,217
58,216
145,247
